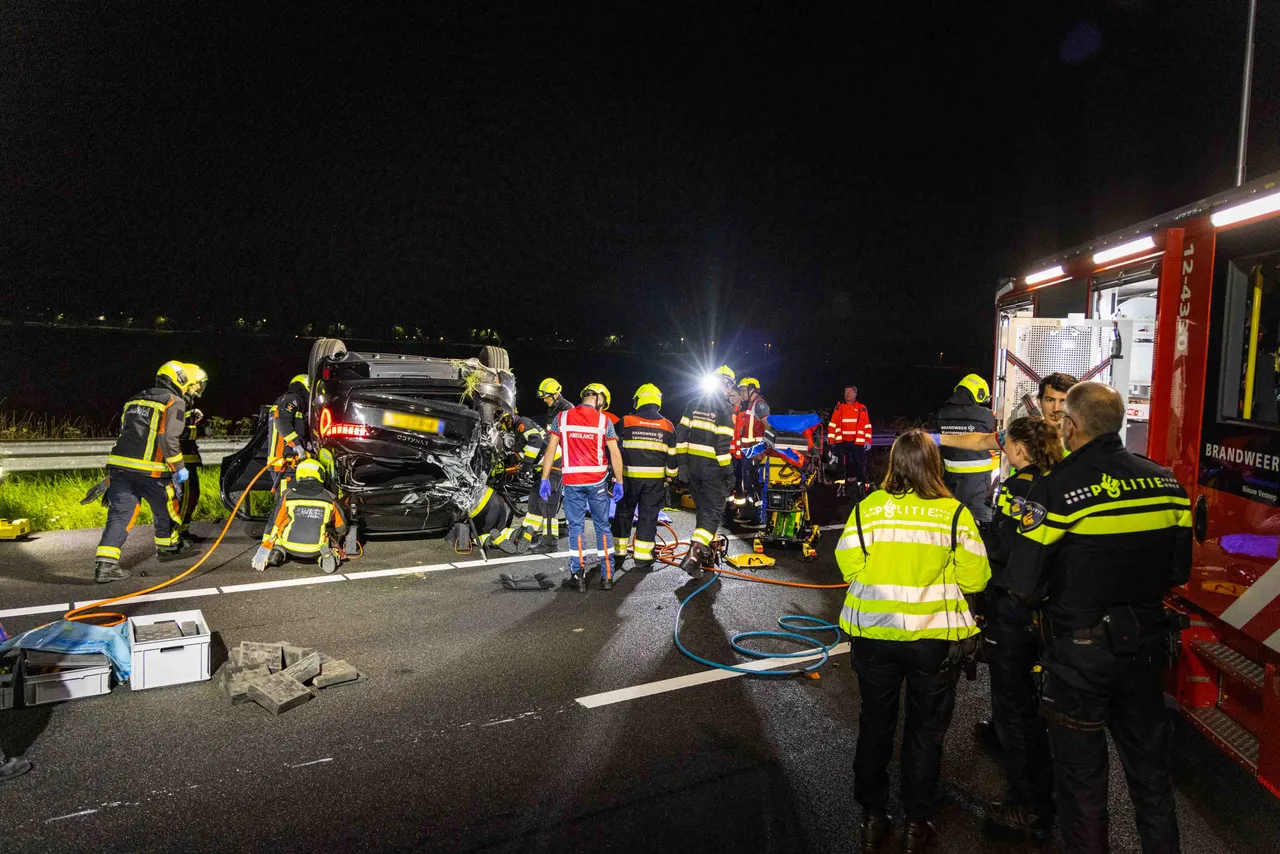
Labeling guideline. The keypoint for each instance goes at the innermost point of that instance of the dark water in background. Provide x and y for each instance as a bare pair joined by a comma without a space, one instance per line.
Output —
70,373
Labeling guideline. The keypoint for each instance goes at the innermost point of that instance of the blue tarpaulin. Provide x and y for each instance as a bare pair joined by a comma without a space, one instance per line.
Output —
794,423
78,638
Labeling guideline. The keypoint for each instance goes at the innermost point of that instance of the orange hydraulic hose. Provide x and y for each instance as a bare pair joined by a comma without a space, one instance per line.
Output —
117,618
673,551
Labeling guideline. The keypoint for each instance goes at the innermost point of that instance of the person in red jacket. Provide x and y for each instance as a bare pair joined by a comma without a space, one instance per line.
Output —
849,434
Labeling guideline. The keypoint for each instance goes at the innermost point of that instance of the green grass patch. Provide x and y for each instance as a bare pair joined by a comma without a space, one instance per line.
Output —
51,500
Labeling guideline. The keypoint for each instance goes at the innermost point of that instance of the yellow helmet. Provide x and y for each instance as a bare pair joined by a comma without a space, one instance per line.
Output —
302,380
309,470
199,379
549,387
599,390
176,373
750,382
646,394
724,372
977,387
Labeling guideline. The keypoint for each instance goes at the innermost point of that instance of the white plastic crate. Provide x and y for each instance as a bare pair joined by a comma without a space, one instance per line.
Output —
72,684
171,661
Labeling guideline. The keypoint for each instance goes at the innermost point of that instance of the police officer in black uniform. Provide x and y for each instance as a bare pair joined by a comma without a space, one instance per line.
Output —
1102,539
968,473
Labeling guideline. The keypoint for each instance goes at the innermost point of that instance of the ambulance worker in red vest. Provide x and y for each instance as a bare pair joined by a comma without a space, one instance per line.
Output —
589,448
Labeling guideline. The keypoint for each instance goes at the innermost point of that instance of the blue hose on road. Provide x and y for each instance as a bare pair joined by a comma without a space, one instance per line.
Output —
793,624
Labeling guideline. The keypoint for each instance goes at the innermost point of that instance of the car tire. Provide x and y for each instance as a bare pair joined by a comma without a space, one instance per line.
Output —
495,358
324,348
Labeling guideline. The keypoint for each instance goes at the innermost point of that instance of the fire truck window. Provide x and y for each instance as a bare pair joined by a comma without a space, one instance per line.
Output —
1251,357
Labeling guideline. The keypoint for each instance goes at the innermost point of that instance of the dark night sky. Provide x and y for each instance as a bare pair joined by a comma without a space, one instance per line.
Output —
855,175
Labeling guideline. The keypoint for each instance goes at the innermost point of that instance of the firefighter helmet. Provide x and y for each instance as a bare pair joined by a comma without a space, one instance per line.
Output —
599,390
724,372
750,382
177,375
976,386
302,380
549,387
199,379
309,470
646,394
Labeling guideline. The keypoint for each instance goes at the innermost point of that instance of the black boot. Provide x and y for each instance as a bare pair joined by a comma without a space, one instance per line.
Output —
576,581
179,552
692,564
105,571
985,733
606,582
918,836
15,767
1015,819
876,828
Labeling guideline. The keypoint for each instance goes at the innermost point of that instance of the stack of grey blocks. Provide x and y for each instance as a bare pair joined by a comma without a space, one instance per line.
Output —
279,676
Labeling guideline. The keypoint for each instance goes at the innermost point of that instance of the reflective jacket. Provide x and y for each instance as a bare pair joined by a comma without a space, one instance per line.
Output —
849,423
190,436
703,438
648,444
150,433
535,442
752,417
907,573
305,514
584,432
960,415
1009,508
288,424
1104,528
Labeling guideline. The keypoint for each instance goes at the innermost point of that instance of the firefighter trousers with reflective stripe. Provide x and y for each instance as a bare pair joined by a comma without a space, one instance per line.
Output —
543,517
642,498
709,490
190,499
127,489
971,491
1087,689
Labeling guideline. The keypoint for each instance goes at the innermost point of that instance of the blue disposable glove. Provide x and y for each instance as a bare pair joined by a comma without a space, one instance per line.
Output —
181,476
617,492
544,490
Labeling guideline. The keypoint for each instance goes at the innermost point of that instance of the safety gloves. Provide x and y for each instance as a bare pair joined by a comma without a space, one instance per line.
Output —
179,477
260,558
544,490
617,492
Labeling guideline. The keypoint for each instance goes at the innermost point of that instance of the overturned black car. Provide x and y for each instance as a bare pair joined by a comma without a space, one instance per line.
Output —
412,442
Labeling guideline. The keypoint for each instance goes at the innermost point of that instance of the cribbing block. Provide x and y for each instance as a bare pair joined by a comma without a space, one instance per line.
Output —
254,654
335,672
279,693
306,669
235,681
294,654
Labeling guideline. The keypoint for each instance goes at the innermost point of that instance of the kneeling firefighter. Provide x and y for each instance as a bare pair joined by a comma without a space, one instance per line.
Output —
307,522
145,464
648,451
704,461
492,520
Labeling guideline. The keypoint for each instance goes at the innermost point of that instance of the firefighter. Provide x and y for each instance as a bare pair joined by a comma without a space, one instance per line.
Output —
750,422
549,390
1050,402
703,460
910,553
307,522
492,518
648,452
1013,648
590,447
534,439
191,451
968,473
542,518
287,444
145,464
1102,539
849,434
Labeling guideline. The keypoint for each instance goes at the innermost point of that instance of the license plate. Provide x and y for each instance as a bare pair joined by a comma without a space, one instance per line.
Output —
417,423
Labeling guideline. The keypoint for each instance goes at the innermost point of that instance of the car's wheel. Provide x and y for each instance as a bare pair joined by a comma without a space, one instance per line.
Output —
496,358
324,348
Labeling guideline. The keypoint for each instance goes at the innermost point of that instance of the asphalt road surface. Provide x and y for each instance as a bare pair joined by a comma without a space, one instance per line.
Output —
475,727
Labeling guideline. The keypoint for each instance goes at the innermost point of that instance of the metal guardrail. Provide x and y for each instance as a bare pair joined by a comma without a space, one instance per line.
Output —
70,454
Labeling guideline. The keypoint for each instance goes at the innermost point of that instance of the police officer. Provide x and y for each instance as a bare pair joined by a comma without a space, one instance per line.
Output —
968,473
306,523
145,464
1103,537
289,427
191,451
648,449
703,460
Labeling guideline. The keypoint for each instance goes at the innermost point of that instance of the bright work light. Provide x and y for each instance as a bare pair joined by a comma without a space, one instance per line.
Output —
1248,210
1045,275
1131,248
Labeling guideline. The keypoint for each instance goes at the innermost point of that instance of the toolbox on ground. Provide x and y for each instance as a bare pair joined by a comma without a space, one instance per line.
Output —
168,649
51,677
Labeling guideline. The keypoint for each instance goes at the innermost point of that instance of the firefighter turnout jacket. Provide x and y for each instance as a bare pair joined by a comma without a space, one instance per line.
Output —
305,515
849,423
190,437
648,444
1105,527
151,429
703,439
909,562
534,438
959,415
288,424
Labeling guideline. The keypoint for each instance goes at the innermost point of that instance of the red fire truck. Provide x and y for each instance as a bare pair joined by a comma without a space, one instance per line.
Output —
1182,313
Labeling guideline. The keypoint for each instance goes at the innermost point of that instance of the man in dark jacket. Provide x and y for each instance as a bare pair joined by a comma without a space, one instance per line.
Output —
703,460
968,473
289,429
648,449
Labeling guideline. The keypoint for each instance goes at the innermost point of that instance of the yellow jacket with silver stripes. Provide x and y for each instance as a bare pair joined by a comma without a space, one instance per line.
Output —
1105,527
703,437
150,430
906,581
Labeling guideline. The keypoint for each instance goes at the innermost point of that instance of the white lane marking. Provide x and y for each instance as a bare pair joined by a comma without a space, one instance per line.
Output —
35,609
156,597
312,762
1258,596
70,815
661,687
284,582
404,570
463,564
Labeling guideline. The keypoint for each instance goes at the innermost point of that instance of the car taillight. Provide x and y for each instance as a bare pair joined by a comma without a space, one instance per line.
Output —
326,421
349,431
